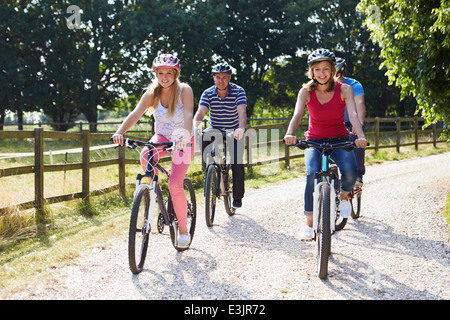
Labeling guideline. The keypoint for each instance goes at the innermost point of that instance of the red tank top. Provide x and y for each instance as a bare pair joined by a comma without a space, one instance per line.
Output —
326,120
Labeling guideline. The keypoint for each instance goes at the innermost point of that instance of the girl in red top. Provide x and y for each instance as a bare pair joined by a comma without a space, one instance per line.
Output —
326,101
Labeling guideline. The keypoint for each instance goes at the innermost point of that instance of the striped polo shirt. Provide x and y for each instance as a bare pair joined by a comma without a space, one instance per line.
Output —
223,113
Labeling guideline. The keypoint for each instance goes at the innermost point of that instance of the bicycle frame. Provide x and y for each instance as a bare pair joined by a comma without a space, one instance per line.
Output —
324,177
221,166
155,189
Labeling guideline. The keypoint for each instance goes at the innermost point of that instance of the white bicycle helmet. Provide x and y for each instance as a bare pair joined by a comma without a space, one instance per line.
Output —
321,55
340,64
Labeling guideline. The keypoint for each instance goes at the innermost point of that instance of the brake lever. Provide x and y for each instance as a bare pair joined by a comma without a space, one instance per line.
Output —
127,144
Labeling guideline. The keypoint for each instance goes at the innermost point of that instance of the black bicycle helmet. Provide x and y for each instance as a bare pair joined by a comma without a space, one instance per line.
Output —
340,64
222,68
321,55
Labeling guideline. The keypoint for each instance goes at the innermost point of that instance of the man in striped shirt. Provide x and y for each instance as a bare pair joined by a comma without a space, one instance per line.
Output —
226,103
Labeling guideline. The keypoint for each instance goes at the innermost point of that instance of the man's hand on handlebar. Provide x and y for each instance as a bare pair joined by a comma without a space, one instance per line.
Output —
361,143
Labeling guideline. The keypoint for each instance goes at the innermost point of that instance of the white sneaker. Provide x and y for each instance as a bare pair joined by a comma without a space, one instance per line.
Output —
184,240
345,208
307,234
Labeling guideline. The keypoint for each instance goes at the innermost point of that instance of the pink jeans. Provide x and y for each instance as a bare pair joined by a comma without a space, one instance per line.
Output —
180,165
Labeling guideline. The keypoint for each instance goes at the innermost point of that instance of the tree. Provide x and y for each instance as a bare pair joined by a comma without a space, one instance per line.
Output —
338,26
20,54
95,63
254,33
415,47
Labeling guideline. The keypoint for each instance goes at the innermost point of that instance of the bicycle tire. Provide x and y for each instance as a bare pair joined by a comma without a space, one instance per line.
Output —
139,216
356,205
191,215
173,227
191,209
210,195
340,221
228,197
324,232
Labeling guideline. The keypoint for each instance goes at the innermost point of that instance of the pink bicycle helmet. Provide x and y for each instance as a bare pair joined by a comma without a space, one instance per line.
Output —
166,60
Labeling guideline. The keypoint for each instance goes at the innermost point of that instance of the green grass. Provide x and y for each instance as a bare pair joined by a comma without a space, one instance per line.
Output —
73,228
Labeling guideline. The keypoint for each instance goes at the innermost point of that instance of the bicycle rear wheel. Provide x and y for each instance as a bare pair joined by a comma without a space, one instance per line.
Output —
340,221
210,195
324,232
138,235
355,201
191,208
227,199
191,204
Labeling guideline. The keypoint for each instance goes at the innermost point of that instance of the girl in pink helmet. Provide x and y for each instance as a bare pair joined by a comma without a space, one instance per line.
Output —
171,103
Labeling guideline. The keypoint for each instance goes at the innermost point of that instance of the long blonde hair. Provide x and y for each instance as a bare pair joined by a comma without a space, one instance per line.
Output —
155,89
312,85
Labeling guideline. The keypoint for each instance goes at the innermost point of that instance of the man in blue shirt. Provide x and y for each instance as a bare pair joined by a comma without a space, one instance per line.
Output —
358,92
226,103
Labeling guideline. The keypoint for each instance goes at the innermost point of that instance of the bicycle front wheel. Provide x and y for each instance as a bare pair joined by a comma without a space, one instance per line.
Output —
210,195
324,232
138,236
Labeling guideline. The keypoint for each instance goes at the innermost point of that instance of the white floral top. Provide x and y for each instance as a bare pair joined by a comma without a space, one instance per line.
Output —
171,128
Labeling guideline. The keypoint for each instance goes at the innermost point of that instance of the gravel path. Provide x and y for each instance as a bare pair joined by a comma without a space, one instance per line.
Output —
398,249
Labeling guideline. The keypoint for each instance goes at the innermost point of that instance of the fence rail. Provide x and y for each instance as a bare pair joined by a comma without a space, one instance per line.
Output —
373,132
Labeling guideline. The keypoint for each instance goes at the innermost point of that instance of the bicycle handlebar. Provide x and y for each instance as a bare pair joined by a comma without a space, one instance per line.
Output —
132,144
346,145
224,134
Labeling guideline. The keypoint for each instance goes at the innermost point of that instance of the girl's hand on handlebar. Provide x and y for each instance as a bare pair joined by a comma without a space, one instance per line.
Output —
290,139
182,143
118,138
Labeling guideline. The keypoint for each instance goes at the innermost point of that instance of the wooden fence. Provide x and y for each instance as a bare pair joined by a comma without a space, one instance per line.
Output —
38,169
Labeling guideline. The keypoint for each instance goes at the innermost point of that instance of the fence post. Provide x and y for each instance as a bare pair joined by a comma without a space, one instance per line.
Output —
39,179
85,185
248,147
286,147
416,132
377,133
397,121
122,171
434,134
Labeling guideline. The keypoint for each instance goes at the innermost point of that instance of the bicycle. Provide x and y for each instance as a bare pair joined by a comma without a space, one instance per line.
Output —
326,214
145,198
218,182
354,197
